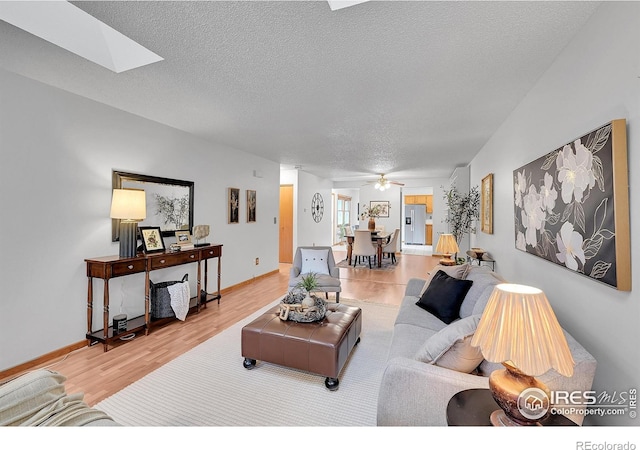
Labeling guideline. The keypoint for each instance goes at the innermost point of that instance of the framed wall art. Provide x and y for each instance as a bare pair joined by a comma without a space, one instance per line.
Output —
152,239
486,205
251,206
383,207
571,206
169,202
234,205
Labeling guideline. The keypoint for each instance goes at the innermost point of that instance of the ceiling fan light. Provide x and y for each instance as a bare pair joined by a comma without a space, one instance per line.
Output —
377,185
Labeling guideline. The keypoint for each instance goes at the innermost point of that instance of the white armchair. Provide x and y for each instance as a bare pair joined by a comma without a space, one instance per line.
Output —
320,261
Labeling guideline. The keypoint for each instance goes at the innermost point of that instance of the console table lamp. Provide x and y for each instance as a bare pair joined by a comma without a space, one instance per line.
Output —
519,329
128,205
447,246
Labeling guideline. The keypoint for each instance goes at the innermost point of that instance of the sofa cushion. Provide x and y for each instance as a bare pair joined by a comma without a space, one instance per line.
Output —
407,340
451,347
444,295
458,271
314,261
483,282
412,314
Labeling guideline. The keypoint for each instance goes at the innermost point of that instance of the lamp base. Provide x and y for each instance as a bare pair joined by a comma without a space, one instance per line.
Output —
128,236
499,418
447,261
517,410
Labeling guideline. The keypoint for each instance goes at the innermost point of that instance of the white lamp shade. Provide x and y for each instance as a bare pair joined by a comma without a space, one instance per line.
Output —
128,204
519,327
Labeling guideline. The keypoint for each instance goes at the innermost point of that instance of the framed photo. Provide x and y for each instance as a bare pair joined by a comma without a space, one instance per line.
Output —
251,206
486,205
183,237
384,208
571,206
234,205
169,202
152,239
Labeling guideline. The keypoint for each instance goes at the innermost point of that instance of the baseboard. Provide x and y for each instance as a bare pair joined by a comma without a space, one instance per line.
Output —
49,358
248,282
40,362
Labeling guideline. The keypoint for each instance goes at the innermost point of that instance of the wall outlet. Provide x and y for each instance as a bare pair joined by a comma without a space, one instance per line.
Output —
257,261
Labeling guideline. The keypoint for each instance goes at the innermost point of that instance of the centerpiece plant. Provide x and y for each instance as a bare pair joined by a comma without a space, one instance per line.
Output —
308,282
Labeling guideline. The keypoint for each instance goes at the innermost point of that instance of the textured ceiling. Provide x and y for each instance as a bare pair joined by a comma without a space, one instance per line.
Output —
412,89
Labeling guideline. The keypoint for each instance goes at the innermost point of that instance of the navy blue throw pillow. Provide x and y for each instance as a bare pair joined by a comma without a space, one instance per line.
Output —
444,295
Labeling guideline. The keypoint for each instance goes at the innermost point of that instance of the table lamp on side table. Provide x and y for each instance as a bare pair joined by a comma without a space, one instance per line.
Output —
128,205
447,246
519,329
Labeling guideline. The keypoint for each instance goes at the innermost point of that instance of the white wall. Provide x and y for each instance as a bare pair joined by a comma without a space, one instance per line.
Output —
58,152
593,81
310,232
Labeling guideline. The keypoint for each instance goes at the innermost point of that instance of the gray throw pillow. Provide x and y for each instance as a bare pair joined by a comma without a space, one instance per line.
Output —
451,347
459,272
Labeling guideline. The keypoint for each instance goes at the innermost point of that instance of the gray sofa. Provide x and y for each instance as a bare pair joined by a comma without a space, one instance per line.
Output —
39,398
414,392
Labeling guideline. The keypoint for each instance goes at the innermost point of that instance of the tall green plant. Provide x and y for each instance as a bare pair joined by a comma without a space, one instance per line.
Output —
464,210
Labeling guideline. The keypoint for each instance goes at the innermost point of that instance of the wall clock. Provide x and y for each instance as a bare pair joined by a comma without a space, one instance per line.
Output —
317,207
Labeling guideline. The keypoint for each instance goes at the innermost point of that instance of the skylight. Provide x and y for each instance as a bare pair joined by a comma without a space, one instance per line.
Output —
69,27
339,4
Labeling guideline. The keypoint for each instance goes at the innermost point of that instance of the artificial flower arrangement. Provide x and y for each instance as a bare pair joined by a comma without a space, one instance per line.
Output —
371,213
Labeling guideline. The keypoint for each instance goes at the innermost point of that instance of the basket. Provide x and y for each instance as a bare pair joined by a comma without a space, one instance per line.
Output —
160,307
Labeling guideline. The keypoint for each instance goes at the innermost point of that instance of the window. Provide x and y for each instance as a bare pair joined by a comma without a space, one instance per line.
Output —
343,217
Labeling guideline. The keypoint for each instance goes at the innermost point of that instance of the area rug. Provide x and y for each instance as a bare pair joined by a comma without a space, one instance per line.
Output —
208,385
386,265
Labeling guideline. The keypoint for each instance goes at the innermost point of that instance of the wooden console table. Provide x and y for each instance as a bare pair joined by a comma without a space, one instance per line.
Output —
108,267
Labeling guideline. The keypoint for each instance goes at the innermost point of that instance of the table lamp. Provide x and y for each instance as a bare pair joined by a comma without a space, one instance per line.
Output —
128,205
447,246
519,329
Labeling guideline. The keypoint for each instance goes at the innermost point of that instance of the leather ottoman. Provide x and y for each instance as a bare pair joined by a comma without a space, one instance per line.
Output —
321,347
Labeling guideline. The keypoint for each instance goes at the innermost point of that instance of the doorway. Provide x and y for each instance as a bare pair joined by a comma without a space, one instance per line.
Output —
286,223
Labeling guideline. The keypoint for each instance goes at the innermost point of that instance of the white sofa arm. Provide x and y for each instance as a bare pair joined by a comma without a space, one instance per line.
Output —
413,393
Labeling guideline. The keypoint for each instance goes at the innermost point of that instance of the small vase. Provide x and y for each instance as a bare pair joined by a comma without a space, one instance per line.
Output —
308,301
372,224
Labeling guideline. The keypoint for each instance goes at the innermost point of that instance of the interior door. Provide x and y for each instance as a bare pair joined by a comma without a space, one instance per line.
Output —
286,223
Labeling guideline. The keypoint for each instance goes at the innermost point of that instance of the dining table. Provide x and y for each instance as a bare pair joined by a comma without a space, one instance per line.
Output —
379,239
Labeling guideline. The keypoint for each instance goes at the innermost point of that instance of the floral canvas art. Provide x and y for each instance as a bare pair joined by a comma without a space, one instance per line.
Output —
572,208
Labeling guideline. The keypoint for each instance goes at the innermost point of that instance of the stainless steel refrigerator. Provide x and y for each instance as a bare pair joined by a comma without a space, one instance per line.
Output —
415,218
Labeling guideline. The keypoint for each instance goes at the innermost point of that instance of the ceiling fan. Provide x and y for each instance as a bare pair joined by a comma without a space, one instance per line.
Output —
382,183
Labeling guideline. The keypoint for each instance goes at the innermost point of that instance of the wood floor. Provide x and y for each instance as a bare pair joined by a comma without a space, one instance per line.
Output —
98,374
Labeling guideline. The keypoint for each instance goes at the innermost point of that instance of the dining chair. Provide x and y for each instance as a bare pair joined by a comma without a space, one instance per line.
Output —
392,247
363,246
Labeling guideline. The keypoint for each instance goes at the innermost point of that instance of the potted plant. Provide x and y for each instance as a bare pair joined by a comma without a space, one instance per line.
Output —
308,282
372,214
464,210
